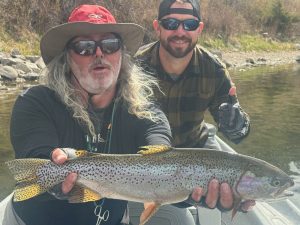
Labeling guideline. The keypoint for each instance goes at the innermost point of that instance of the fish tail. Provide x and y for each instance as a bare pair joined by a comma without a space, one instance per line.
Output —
24,172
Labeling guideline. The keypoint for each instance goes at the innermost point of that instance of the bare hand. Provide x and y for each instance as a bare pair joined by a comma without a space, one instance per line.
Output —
60,157
215,190
221,193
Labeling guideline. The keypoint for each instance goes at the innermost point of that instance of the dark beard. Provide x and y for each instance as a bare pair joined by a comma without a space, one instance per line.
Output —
178,52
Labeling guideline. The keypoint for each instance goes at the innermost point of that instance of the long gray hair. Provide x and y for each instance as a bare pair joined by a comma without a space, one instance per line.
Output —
135,88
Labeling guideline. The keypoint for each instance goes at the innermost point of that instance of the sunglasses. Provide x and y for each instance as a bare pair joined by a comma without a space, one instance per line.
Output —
88,47
173,24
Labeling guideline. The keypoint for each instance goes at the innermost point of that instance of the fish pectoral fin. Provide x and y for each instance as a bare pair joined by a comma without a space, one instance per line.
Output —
26,190
236,205
25,175
80,194
150,210
153,149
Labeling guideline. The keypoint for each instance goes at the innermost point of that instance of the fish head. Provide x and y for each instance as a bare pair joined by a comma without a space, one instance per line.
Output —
263,181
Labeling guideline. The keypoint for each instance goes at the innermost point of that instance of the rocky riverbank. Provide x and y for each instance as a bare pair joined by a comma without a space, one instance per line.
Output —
17,68
250,59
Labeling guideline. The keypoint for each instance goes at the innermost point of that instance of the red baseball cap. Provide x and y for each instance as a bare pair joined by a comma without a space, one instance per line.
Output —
87,20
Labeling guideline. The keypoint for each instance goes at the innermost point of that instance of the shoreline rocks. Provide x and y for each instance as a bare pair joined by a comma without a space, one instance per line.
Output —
17,68
253,59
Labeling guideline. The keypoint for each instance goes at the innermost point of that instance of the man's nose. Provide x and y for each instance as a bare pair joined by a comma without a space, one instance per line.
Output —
180,29
99,52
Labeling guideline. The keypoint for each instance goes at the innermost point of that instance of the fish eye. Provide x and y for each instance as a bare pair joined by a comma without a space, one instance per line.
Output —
276,182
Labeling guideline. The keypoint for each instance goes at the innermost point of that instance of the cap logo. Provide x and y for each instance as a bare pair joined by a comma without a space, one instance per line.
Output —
95,16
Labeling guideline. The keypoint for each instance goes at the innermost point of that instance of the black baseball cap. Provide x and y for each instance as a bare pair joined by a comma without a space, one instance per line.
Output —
165,8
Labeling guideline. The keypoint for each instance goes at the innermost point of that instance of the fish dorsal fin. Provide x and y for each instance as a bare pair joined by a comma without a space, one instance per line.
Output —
80,194
82,153
150,209
154,149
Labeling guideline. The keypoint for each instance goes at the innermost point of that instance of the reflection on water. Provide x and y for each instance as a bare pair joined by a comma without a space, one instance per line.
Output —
7,99
271,96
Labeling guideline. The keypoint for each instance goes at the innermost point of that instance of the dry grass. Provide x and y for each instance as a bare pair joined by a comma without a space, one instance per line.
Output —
28,44
223,19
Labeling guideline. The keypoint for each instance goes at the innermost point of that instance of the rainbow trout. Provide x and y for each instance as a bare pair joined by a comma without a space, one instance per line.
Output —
156,176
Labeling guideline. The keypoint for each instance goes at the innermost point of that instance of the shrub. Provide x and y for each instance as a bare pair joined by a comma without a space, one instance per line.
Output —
279,20
222,18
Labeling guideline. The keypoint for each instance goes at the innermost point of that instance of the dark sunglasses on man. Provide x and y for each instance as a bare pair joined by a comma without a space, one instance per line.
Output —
89,47
173,24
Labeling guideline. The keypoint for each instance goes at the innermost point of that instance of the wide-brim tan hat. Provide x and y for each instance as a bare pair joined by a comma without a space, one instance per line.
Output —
87,20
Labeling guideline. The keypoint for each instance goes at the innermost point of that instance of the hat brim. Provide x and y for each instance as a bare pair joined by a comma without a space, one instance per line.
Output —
55,39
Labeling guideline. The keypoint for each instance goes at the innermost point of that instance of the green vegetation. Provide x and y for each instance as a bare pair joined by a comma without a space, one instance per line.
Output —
246,25
28,44
246,43
257,43
280,19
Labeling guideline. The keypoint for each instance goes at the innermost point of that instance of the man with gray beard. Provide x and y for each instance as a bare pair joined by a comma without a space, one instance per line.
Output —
93,98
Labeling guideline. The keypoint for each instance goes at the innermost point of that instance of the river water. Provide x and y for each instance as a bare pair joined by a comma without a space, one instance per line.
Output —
270,95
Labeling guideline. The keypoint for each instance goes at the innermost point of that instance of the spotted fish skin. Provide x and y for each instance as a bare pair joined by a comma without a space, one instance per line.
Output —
163,178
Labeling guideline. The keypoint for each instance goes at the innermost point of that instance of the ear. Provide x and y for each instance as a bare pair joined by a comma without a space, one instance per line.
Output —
200,28
156,27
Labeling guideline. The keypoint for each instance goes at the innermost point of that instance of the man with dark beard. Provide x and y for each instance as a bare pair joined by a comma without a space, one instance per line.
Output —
192,80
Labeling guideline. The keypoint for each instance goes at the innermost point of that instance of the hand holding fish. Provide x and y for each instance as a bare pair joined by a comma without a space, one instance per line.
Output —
215,193
221,196
60,157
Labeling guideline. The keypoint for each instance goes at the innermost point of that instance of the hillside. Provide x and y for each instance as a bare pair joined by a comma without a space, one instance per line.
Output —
23,21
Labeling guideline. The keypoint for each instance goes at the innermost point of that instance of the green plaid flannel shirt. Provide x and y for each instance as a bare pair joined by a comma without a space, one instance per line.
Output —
203,85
